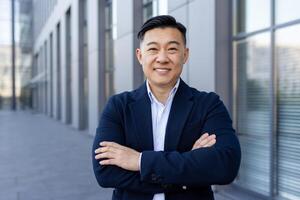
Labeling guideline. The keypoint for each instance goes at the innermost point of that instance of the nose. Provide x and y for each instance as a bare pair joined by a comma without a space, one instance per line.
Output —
162,57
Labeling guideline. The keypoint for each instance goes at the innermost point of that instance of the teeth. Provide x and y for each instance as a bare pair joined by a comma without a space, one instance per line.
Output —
162,70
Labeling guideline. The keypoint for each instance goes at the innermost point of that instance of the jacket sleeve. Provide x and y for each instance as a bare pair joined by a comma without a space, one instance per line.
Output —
110,129
201,167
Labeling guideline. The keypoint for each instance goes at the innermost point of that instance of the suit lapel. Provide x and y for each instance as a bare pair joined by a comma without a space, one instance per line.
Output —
141,113
180,110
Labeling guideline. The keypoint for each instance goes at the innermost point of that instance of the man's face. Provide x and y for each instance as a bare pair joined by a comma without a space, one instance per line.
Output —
162,54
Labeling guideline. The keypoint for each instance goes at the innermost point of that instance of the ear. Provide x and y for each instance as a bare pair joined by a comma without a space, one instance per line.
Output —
138,53
186,55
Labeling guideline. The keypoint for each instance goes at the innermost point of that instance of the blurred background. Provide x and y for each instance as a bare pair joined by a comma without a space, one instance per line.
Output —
61,60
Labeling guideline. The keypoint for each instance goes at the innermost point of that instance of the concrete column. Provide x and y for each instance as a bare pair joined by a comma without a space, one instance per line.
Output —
123,46
138,74
40,96
223,52
75,62
198,17
48,75
96,54
43,88
45,82
179,10
63,69
201,14
55,74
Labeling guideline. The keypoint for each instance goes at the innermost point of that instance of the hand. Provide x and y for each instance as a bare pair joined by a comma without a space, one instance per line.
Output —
205,140
116,154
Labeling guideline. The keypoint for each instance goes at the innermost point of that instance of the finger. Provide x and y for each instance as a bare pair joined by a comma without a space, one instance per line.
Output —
207,140
111,144
105,149
205,135
108,162
105,155
210,143
204,141
97,150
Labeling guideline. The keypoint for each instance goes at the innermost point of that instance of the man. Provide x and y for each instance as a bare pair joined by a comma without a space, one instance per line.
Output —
164,140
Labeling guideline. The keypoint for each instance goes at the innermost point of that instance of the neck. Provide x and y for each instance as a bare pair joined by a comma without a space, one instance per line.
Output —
161,93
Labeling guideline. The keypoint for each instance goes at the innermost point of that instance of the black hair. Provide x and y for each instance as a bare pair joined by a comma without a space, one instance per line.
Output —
161,21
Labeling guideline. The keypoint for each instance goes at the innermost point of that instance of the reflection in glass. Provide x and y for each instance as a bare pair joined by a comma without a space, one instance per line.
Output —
287,10
147,9
109,50
254,111
251,15
5,55
288,60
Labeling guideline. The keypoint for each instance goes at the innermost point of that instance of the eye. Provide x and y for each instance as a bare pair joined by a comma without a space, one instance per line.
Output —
172,50
152,49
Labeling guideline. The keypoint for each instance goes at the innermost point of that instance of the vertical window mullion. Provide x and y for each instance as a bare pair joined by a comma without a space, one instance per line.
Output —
274,91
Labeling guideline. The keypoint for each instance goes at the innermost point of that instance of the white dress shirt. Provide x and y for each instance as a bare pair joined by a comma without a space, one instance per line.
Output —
160,115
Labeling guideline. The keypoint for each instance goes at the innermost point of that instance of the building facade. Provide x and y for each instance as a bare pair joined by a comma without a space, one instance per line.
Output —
246,51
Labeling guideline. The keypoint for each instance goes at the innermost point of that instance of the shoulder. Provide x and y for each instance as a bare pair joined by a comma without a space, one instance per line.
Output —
124,98
198,96
119,100
204,97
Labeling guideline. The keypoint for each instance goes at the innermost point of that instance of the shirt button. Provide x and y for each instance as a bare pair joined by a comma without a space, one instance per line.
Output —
184,187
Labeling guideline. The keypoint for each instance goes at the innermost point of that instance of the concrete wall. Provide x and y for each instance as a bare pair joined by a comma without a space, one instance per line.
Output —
199,72
198,17
93,61
123,46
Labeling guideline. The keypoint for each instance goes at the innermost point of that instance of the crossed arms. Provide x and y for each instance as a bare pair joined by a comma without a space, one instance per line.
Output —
113,153
210,161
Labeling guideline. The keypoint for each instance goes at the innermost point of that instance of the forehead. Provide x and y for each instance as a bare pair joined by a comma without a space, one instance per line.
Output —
162,35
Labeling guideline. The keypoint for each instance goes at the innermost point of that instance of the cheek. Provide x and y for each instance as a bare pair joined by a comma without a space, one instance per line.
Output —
148,61
178,60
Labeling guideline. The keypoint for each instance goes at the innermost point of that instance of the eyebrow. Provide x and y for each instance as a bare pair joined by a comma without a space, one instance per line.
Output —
170,42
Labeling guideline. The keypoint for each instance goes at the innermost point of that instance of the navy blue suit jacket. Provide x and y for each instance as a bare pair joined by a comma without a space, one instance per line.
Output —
178,171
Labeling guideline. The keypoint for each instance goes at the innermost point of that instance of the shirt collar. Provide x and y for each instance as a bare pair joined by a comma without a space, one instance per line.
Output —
152,97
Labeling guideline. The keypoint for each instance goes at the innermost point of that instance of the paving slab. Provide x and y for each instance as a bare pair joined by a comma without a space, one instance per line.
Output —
44,159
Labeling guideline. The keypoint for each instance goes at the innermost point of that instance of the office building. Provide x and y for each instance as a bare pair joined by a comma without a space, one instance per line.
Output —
246,51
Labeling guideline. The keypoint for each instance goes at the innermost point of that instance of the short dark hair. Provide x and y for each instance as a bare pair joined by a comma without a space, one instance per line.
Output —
161,21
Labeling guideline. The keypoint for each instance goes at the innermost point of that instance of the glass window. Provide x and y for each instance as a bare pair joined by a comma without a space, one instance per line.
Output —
254,105
109,50
253,66
251,15
147,9
287,10
288,60
5,55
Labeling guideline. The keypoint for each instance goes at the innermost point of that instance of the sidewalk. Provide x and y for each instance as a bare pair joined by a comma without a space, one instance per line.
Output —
43,159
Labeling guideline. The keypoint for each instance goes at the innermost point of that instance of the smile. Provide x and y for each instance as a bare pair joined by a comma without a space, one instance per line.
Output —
162,69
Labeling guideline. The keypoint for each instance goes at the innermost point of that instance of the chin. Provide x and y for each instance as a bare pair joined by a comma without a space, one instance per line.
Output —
163,83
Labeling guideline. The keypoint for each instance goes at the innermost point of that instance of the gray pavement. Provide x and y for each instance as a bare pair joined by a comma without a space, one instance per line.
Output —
43,159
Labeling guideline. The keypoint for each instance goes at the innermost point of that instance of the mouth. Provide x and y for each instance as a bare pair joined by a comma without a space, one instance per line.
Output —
162,69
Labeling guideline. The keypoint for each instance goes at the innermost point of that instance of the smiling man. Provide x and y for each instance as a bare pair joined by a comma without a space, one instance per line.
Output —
164,140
